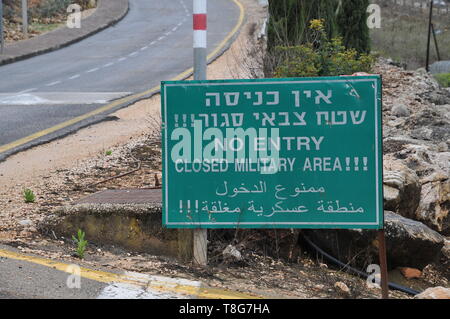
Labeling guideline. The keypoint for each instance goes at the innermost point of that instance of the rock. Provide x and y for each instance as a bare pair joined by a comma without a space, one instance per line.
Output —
400,111
446,249
410,273
434,293
434,205
25,222
231,253
404,239
401,188
342,287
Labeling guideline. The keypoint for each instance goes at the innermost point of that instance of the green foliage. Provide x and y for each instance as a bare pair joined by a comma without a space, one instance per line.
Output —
108,153
352,25
322,57
50,8
81,243
288,24
443,79
29,196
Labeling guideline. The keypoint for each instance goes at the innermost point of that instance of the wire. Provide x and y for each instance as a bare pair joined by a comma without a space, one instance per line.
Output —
356,271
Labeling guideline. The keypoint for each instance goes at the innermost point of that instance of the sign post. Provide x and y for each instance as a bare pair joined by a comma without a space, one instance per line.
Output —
383,264
200,240
25,18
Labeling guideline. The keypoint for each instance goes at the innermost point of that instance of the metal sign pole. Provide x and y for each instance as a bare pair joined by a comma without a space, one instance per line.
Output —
25,18
200,65
429,37
436,43
383,264
1,28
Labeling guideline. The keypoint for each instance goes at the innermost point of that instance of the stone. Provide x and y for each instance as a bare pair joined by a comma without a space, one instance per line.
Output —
408,243
434,293
401,187
446,249
410,273
401,110
232,253
434,205
342,287
25,222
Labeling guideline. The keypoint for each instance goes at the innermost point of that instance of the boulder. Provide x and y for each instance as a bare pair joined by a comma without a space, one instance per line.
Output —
434,293
408,243
401,188
446,249
434,205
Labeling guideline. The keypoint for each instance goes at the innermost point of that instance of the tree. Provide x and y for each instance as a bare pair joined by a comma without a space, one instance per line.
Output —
352,25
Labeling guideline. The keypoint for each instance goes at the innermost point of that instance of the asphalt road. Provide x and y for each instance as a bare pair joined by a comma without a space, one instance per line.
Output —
31,277
152,43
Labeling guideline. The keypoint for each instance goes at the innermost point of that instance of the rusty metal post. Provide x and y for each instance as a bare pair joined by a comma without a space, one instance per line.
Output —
383,264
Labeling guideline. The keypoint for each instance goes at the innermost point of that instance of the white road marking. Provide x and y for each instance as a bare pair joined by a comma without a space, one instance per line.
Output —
144,48
26,91
160,38
121,59
74,77
53,83
174,29
92,70
149,287
108,64
127,291
152,43
60,98
133,54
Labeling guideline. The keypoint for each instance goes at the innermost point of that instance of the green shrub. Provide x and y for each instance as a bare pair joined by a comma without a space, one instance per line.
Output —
29,196
443,79
81,243
321,57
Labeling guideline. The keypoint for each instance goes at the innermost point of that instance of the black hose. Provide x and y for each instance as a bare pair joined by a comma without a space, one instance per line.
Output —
356,271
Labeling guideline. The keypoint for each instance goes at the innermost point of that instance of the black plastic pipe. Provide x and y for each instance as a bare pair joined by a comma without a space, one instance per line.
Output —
356,271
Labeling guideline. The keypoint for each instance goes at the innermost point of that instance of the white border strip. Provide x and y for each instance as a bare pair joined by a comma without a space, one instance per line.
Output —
199,224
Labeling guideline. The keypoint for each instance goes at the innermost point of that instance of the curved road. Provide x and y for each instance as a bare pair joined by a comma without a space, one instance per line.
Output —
152,43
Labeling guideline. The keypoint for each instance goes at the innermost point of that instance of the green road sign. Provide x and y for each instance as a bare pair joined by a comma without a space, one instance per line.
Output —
273,153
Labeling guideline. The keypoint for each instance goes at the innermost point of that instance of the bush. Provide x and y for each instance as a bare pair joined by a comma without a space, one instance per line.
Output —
443,79
321,57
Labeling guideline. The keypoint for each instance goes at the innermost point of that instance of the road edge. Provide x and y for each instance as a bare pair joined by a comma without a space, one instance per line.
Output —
108,13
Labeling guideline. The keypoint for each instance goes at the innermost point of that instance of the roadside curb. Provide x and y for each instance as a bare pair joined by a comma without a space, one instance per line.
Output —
108,13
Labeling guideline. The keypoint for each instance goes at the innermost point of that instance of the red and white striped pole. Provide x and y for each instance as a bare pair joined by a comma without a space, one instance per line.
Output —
200,236
200,31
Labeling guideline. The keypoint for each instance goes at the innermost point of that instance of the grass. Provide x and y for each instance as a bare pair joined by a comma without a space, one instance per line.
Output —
81,243
443,79
43,28
403,35
29,196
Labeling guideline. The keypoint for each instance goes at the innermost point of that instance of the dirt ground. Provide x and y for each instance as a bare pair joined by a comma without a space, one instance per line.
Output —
70,168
